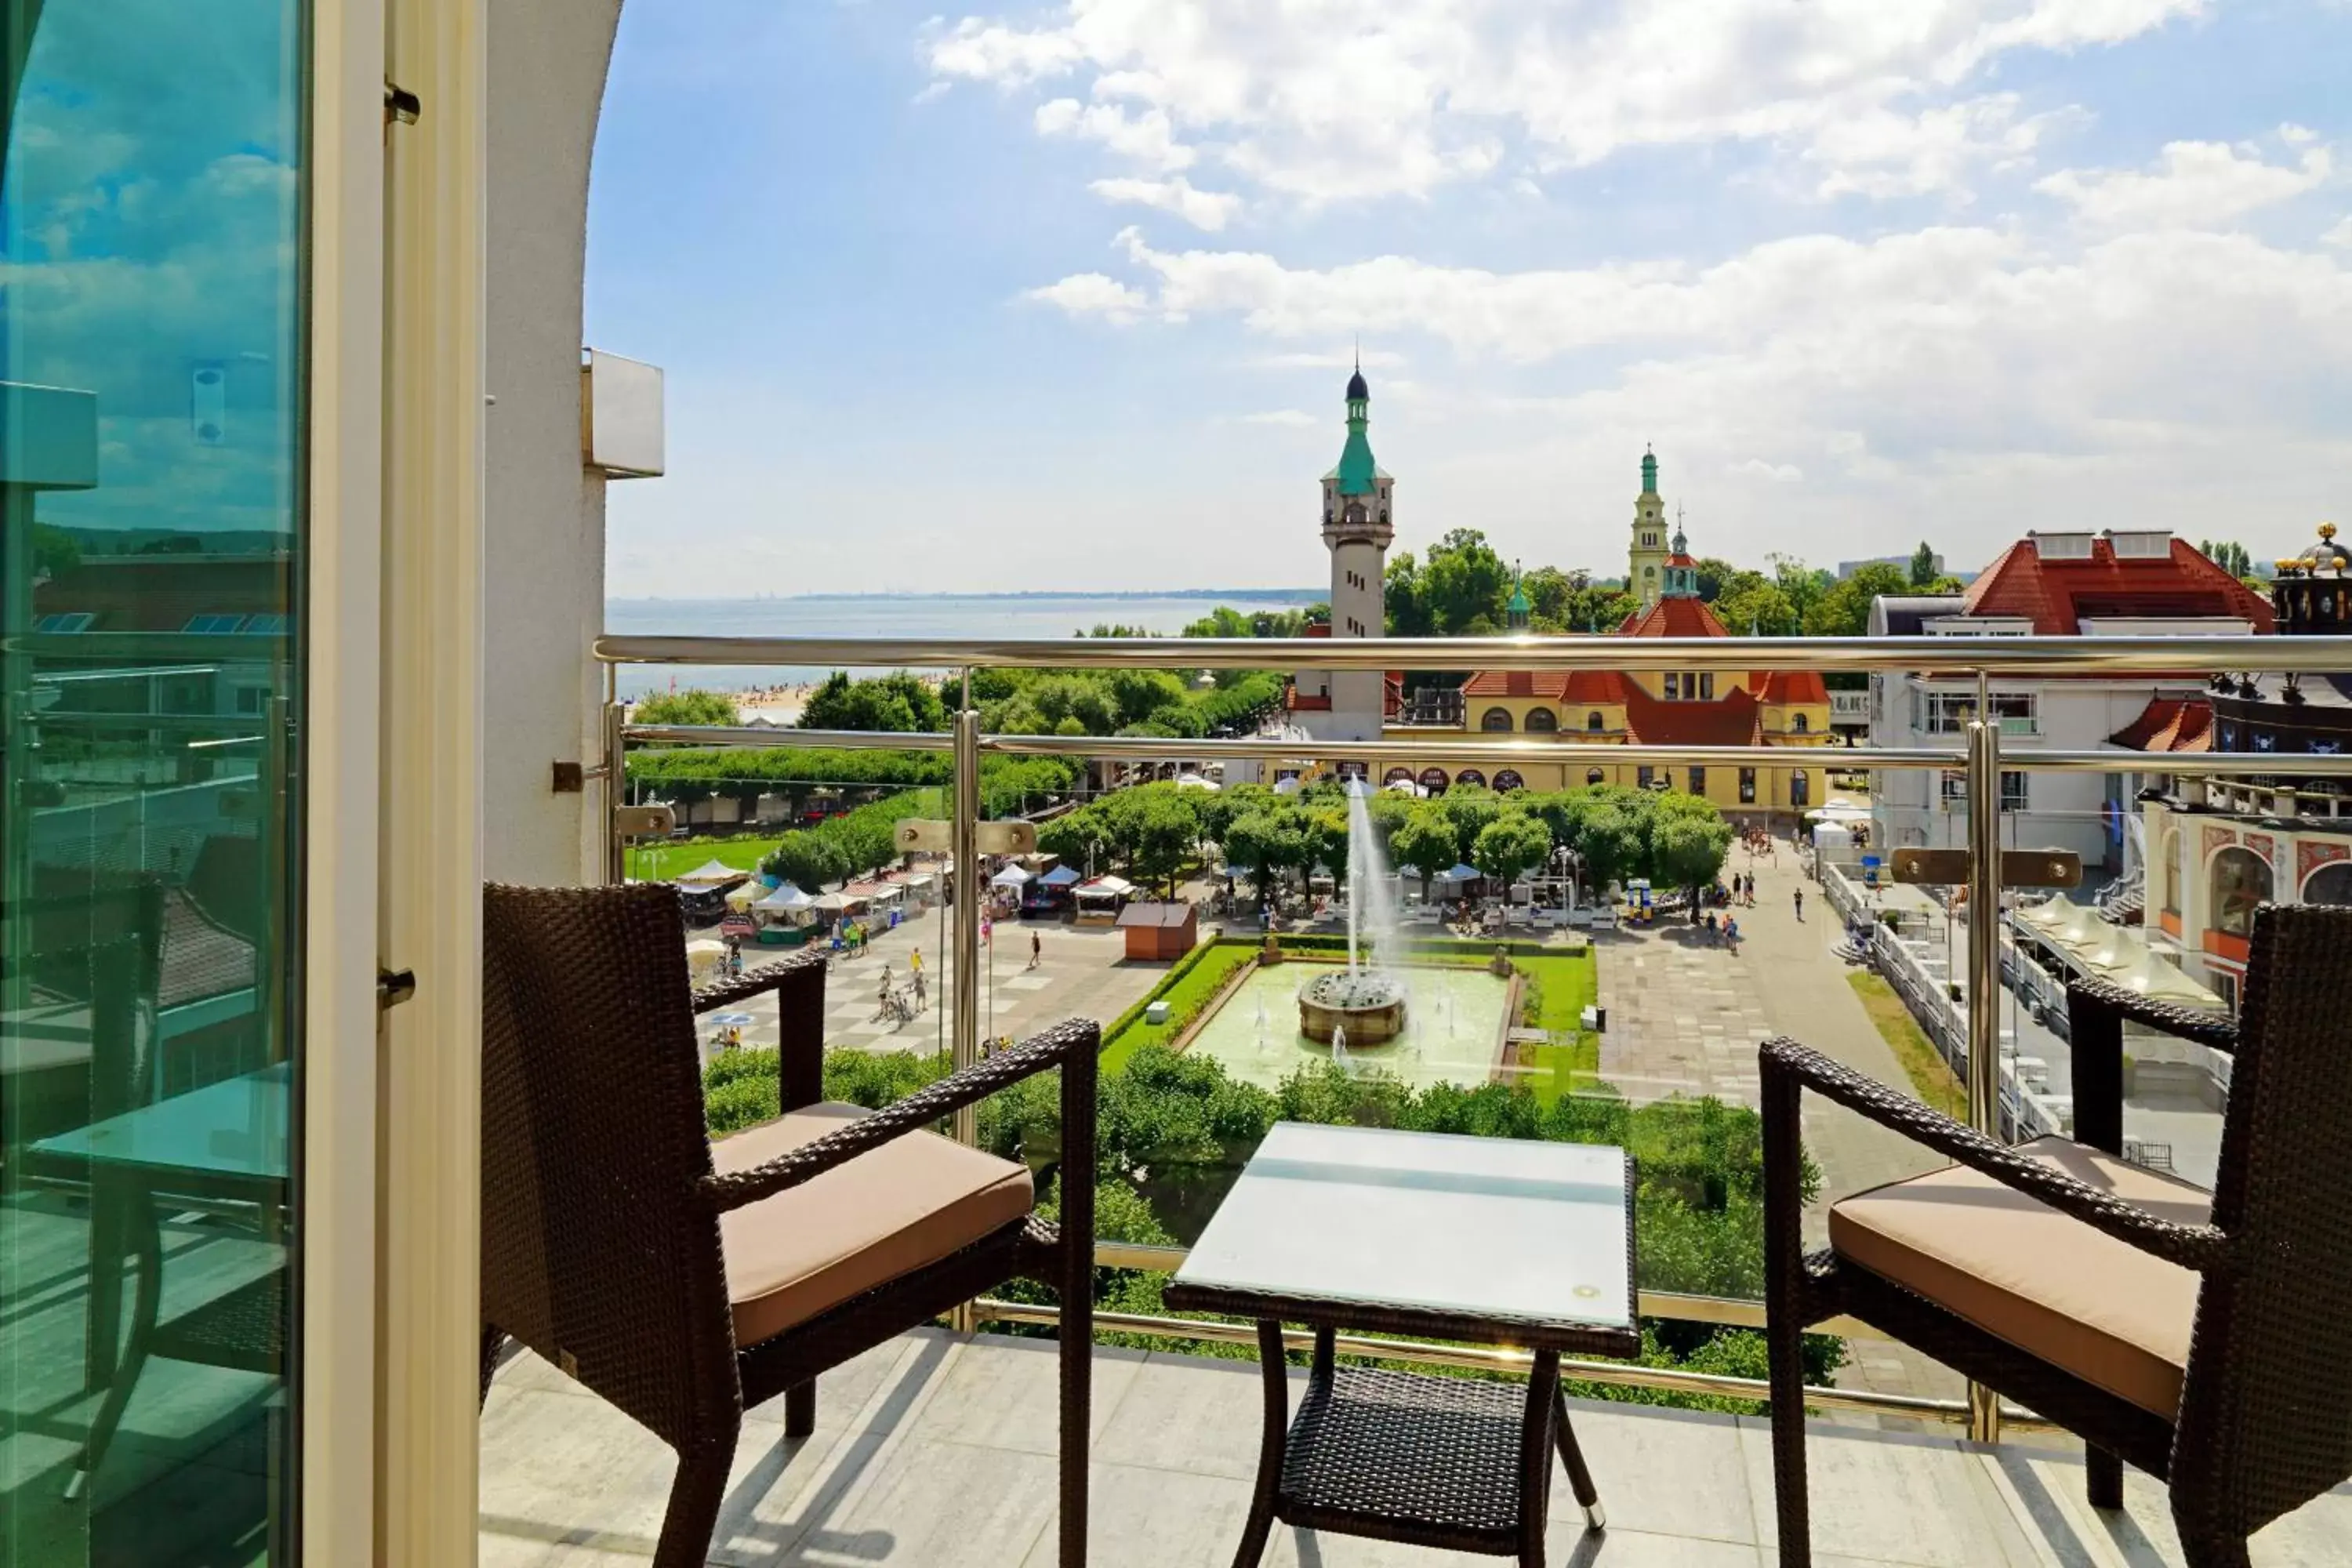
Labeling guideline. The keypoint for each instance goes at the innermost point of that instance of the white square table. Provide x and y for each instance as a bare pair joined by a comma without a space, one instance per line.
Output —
1480,1240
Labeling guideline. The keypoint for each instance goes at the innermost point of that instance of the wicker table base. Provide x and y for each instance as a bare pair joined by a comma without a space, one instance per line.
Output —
1446,1462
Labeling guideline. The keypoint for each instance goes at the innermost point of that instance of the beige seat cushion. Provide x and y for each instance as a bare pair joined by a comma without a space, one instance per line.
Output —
2111,1314
889,1212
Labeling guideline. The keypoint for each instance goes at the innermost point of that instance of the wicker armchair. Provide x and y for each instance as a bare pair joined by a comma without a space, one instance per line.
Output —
2199,1336
683,1279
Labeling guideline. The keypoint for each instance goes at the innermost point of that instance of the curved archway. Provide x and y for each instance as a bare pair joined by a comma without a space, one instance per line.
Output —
1508,780
1542,722
1397,775
1802,724
1593,777
1496,720
2331,884
1432,780
2238,882
2168,877
1469,778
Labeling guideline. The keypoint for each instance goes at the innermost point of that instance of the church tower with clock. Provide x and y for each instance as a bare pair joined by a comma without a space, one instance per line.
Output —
1646,574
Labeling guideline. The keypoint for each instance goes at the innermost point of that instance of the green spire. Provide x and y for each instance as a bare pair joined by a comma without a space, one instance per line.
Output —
1357,469
1649,472
1518,608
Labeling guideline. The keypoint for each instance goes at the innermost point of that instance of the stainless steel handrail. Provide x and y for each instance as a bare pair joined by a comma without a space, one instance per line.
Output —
1925,655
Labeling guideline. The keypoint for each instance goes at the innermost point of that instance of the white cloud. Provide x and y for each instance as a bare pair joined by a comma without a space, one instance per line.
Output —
1778,473
1210,210
1319,100
1147,137
2296,135
2339,236
1288,418
1092,294
2194,185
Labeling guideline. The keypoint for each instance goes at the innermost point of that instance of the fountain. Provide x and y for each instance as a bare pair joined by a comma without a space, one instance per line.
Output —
1366,1001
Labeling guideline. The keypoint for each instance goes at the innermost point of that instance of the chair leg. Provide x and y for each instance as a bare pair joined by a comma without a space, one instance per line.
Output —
2217,1550
695,1498
799,1409
147,1245
1077,1367
1784,1345
1784,1316
2104,1473
1580,1478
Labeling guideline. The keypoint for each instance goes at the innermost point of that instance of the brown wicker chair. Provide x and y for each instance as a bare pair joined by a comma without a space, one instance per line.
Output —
2201,1337
685,1281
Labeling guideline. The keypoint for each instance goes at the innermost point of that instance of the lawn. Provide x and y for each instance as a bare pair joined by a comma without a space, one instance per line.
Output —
1569,984
1930,1075
660,862
1186,990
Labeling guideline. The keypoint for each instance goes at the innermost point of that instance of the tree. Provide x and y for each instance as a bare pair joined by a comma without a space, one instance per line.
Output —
1923,565
1803,586
1550,591
689,707
1612,842
1687,849
1137,695
1469,810
1152,830
2228,555
1401,601
1756,608
1062,698
1514,842
1842,610
894,703
1424,840
808,860
1598,607
1463,582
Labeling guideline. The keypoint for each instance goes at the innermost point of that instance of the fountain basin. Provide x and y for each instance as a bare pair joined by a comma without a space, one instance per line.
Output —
1368,1003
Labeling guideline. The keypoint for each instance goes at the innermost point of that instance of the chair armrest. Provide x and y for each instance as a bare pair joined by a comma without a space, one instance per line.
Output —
751,982
2201,1248
2216,1030
1074,1042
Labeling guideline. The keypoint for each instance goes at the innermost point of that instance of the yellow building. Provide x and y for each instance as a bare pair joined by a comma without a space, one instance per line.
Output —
1664,707
1647,575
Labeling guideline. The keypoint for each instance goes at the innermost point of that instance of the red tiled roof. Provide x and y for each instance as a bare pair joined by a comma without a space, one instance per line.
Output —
2169,724
1674,618
1792,686
1726,721
1581,688
2057,595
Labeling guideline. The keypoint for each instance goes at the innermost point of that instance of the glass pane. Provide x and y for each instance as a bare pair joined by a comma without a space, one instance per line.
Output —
152,476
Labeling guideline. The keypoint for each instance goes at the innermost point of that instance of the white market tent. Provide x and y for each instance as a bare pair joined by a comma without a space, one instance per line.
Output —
2049,914
2160,982
1011,877
1117,887
1194,781
709,875
747,896
1839,810
1459,874
784,900
2119,951
2081,927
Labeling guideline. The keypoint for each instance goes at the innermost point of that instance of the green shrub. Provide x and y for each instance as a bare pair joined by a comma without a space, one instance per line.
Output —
739,1103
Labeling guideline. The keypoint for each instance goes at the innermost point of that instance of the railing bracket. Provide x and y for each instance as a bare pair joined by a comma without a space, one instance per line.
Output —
2018,867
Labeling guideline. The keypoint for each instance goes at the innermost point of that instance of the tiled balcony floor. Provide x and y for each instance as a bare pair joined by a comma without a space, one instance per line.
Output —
937,1452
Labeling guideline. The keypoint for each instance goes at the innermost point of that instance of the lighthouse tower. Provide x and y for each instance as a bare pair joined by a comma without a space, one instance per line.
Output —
1356,529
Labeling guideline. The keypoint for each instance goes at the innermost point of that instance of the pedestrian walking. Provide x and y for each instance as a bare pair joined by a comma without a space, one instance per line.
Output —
1800,904
1036,948
920,1002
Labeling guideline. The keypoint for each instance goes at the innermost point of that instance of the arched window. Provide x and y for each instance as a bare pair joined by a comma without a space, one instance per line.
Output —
2331,884
1508,779
1800,789
2169,886
1469,778
1592,776
1432,780
1496,720
1397,775
1800,724
2240,880
1593,722
1542,722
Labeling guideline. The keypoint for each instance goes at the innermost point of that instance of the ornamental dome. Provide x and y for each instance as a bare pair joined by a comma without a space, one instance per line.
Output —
1357,388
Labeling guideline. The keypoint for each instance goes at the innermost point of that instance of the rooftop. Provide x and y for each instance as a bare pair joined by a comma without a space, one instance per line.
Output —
936,1451
2057,593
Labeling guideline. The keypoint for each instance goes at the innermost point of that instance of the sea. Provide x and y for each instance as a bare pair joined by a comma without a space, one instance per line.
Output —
903,616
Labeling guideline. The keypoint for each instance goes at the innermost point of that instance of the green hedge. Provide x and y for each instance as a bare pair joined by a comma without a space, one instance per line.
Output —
1189,987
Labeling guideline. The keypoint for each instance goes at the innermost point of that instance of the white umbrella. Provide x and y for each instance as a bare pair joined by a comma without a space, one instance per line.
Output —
1011,877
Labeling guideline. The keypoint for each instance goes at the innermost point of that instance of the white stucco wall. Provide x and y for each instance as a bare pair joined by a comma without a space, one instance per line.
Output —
545,566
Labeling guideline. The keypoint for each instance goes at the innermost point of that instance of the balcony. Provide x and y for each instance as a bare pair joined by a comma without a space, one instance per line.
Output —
936,1451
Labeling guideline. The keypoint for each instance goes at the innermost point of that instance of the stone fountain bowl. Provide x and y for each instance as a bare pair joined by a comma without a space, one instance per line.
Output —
1368,1003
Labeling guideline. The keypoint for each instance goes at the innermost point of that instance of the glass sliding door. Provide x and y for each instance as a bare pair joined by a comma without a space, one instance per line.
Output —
152,555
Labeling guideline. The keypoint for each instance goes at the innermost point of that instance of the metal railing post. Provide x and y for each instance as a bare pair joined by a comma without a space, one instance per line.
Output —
963,813
1984,972
616,778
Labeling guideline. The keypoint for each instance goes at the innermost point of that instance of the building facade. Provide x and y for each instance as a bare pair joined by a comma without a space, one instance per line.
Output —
1646,574
2140,582
2218,850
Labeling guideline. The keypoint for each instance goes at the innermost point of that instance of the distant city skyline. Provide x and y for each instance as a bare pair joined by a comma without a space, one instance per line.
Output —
1065,295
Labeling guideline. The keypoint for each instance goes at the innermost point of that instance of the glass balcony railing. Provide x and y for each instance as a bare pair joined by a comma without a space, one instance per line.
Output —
1574,999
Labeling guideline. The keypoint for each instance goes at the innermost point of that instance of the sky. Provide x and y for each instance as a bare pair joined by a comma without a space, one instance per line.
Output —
1063,295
